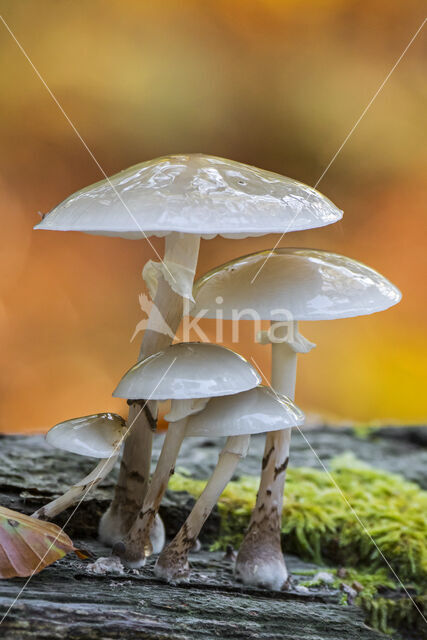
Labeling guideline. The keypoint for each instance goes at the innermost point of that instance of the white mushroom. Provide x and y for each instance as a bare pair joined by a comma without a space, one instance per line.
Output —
292,285
237,417
188,374
184,198
96,436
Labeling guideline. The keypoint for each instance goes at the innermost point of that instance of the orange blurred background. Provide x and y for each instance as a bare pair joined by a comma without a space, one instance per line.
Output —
274,84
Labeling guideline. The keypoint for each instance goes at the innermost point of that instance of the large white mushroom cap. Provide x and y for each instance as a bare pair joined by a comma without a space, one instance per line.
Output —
196,194
294,284
188,370
97,436
256,411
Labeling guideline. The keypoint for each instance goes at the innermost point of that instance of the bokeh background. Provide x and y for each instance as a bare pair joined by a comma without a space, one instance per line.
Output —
277,84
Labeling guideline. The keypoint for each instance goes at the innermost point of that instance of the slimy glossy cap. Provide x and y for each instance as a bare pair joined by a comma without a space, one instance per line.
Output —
308,284
256,411
96,436
197,194
188,370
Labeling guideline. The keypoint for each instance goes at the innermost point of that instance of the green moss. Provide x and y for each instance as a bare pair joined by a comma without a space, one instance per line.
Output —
385,602
365,431
319,524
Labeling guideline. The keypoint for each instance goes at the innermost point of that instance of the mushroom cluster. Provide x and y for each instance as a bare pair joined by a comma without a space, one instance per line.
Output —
285,286
212,390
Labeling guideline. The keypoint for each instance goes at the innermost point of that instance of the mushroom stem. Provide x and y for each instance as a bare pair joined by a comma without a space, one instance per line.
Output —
137,543
77,491
181,252
260,559
172,563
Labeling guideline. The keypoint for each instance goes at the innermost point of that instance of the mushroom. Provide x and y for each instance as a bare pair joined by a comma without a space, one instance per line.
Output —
188,374
184,198
96,436
237,417
293,285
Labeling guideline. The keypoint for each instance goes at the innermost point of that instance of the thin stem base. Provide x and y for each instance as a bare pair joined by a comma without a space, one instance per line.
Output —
172,564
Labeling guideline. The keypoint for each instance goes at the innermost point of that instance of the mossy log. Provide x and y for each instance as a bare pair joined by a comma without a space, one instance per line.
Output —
65,601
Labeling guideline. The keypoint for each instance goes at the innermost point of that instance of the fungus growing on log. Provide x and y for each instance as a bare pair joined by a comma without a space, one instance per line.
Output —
238,417
285,286
188,374
97,436
183,198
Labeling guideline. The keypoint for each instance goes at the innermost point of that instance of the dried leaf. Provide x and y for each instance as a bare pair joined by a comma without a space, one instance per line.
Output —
28,545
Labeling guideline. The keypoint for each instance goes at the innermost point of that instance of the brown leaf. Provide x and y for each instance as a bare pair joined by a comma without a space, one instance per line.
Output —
28,545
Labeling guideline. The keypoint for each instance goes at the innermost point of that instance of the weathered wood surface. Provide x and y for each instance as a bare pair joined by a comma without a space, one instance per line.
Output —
65,601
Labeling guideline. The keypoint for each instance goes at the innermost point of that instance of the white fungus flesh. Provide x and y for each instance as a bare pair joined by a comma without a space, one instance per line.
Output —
256,411
196,194
297,284
237,417
188,370
96,436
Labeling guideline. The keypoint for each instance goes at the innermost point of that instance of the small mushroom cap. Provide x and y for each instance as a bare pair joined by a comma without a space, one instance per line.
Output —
256,411
96,436
188,370
193,193
294,284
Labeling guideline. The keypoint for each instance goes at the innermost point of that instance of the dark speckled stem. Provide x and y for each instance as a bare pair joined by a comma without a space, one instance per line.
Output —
260,559
172,563
134,472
